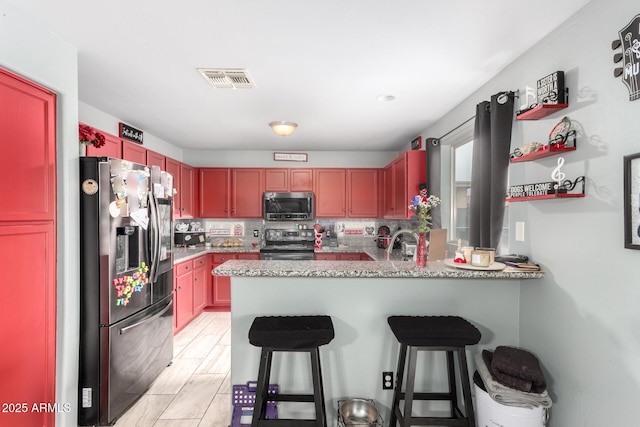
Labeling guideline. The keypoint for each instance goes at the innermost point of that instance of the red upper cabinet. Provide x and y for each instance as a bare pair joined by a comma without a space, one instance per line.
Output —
301,180
276,179
173,168
407,172
247,186
187,191
112,147
214,192
134,152
156,159
27,151
288,179
362,193
330,191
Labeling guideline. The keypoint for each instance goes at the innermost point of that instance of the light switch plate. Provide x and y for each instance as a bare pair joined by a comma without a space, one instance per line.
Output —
519,231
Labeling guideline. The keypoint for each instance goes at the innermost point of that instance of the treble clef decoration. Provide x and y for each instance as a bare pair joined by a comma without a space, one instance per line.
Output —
557,175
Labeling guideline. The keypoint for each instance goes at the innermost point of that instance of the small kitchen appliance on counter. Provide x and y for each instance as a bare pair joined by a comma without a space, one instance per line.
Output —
288,244
384,237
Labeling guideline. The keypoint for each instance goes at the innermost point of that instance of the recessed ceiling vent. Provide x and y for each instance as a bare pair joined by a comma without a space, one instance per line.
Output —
227,78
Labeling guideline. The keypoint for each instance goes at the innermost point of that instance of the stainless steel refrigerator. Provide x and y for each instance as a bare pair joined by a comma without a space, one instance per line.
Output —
126,284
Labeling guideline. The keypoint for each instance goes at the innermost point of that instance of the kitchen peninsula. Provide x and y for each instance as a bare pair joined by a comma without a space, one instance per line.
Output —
359,296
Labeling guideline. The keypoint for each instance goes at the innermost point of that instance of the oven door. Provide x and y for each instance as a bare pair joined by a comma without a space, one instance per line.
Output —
286,255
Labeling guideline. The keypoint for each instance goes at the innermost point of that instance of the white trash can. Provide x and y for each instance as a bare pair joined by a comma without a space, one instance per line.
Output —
490,413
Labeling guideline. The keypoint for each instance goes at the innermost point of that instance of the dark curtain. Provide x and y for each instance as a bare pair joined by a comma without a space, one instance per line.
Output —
489,176
432,146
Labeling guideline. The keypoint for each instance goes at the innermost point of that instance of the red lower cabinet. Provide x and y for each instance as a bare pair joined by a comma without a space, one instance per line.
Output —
183,295
220,296
27,323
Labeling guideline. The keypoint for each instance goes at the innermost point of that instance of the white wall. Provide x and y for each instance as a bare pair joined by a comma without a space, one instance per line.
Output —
44,59
264,159
582,319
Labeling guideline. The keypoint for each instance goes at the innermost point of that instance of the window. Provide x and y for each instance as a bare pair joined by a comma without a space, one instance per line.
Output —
461,158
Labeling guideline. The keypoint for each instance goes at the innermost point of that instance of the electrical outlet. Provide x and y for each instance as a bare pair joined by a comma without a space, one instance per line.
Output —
255,233
387,380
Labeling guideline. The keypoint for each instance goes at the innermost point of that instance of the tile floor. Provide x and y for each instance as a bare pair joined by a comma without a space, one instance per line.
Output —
195,390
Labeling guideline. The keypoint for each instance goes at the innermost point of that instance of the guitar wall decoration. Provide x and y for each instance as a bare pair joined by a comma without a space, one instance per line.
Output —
629,41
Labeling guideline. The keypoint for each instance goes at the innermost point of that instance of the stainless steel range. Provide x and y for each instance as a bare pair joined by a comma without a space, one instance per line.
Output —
285,244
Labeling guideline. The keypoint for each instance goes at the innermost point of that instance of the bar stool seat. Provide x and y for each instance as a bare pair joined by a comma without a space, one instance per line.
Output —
450,334
290,334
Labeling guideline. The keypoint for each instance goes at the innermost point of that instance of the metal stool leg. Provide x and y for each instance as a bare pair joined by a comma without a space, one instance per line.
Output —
318,389
466,387
410,387
453,392
395,406
262,388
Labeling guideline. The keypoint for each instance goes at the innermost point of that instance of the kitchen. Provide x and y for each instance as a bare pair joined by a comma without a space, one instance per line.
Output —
579,319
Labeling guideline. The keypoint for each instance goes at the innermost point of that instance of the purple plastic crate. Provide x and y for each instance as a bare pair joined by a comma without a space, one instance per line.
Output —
244,399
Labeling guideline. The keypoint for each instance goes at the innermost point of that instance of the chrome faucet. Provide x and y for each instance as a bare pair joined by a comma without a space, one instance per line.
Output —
393,239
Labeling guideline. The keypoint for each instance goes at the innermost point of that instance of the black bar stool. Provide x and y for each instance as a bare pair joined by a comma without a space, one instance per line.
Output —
292,334
432,333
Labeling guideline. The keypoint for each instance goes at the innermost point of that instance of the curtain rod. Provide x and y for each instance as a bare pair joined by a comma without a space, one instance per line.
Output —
514,93
457,127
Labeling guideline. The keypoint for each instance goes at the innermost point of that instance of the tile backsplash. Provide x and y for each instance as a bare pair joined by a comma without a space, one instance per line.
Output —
349,232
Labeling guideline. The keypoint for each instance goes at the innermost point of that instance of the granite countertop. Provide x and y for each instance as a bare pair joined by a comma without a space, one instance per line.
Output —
380,267
359,269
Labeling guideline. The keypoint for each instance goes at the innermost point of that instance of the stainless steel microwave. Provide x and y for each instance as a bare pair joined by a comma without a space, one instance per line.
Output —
288,206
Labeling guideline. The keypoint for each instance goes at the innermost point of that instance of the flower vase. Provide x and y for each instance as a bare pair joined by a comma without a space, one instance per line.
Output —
421,250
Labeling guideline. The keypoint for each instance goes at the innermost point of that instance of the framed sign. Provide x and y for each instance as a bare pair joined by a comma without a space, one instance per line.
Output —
290,157
416,144
631,201
130,133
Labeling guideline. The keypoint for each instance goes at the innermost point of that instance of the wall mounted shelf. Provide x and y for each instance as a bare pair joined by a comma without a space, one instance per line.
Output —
547,196
542,110
545,151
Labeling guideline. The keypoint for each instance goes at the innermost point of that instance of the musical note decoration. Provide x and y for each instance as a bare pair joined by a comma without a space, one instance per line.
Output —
557,175
629,41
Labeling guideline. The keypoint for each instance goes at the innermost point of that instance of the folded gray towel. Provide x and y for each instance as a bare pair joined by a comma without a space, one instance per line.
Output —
507,395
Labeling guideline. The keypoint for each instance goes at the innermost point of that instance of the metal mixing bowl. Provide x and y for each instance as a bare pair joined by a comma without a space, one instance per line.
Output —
359,412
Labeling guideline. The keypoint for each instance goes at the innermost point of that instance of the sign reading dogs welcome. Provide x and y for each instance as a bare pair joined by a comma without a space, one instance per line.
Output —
532,190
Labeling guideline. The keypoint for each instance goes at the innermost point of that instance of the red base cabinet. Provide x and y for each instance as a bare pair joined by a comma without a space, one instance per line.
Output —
220,295
27,252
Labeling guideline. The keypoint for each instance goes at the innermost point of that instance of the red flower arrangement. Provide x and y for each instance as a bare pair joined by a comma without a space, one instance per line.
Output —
88,136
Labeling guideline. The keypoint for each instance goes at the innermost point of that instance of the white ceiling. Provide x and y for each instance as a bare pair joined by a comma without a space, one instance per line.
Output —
320,64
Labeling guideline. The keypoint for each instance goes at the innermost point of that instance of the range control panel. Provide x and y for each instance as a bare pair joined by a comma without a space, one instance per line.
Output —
280,235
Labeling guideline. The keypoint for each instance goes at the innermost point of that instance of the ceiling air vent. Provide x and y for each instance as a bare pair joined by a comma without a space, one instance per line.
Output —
227,78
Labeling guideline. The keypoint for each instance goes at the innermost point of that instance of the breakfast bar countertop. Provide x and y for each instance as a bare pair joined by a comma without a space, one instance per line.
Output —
360,269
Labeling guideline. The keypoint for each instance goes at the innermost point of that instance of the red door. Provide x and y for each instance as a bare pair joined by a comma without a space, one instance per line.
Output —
173,167
27,252
134,152
112,147
362,193
246,195
330,193
214,192
301,180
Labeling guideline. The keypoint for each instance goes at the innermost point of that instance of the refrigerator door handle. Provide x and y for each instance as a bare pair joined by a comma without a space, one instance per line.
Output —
148,319
154,235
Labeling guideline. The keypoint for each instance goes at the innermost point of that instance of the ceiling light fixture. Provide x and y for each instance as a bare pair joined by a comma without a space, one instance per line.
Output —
283,128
